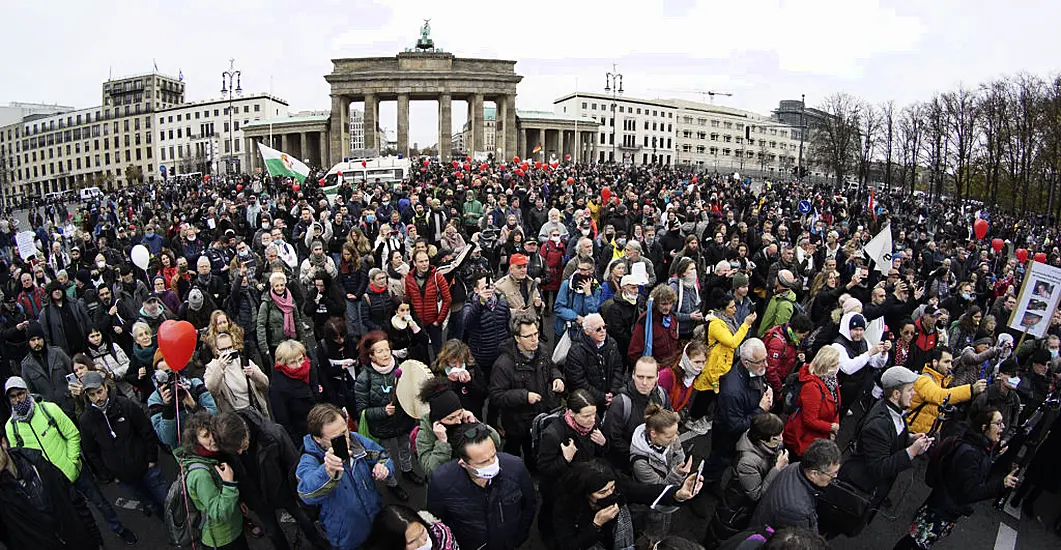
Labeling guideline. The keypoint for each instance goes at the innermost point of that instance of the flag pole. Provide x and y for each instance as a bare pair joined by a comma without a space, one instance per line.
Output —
576,125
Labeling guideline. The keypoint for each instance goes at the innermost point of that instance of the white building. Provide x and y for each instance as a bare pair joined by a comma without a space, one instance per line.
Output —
196,137
634,131
357,130
675,131
15,112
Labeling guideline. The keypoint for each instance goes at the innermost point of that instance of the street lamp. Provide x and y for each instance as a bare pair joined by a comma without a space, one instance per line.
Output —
613,82
226,88
802,130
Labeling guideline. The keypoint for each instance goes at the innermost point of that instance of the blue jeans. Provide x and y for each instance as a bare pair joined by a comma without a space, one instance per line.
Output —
88,488
151,489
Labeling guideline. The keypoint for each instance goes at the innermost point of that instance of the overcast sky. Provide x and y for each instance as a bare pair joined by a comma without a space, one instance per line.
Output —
761,51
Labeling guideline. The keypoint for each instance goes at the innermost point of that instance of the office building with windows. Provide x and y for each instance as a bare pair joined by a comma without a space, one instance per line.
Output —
632,131
197,137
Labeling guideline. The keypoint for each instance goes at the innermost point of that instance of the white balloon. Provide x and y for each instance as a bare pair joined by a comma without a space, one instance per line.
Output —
140,256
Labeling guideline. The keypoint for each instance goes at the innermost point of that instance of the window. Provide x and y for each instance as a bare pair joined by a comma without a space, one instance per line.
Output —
603,138
594,106
729,125
246,108
258,107
178,133
227,145
639,110
725,152
138,157
178,118
215,112
235,125
196,115
728,138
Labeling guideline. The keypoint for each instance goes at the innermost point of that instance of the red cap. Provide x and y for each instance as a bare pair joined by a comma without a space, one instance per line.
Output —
518,259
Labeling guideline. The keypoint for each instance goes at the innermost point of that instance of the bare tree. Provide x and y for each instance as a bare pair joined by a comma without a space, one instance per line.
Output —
992,107
887,113
1021,123
960,113
911,127
869,120
835,141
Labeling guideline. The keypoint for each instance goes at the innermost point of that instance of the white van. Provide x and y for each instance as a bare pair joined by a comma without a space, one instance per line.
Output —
90,193
385,169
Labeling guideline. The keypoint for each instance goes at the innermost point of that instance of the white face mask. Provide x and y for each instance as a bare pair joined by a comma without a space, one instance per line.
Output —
427,545
632,298
555,239
489,472
101,265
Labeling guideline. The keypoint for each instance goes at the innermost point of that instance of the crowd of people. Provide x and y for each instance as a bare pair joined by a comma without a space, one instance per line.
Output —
582,326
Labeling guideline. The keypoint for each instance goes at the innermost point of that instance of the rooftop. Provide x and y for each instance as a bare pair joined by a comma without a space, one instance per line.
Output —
549,115
290,120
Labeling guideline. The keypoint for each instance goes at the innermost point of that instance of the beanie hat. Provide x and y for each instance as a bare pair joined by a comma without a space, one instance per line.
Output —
443,404
195,299
1041,356
34,330
786,279
857,321
982,338
852,304
739,280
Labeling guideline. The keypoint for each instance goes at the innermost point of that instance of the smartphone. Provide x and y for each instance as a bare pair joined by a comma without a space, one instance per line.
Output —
699,472
340,448
71,378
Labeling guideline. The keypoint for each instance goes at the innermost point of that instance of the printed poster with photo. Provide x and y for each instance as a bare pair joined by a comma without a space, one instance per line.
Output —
1037,300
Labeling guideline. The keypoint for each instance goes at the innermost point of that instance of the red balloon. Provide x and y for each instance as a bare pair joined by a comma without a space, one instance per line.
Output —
176,341
296,187
997,244
537,164
554,164
605,193
239,187
426,162
467,167
695,179
570,180
1040,257
567,157
515,160
484,167
501,166
1022,255
468,158
980,228
206,178
458,175
339,173
455,164
364,164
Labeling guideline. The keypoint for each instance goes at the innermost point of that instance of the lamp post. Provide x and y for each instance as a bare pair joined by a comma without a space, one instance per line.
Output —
227,77
802,131
613,82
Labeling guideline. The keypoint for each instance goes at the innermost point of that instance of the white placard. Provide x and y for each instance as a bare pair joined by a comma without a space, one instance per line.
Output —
1037,300
26,246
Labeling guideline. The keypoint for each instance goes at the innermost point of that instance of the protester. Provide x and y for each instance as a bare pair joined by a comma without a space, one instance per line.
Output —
657,458
817,414
594,363
441,426
934,387
211,484
398,527
627,410
723,337
790,500
235,382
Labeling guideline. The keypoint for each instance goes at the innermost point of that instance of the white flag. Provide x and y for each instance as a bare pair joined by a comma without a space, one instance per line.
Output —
879,249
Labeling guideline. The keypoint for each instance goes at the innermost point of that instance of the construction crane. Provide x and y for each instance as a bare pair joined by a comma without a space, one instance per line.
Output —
704,94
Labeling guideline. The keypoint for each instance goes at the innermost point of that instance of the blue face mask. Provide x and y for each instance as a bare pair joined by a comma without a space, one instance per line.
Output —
1054,353
370,219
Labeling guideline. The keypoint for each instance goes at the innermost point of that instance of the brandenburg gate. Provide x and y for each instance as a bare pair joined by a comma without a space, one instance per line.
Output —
423,73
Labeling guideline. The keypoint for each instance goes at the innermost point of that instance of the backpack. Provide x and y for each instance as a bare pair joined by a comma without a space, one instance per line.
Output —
412,438
184,522
938,457
624,405
539,424
790,390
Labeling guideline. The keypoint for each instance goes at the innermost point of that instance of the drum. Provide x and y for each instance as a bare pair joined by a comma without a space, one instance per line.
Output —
413,375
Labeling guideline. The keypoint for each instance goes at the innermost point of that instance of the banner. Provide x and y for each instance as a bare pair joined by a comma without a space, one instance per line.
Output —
1037,300
26,247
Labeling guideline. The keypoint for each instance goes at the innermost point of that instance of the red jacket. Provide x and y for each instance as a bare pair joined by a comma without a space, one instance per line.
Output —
425,301
780,356
818,411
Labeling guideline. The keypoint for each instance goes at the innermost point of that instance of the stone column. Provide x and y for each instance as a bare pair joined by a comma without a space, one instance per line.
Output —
560,143
403,124
478,124
501,128
445,126
339,144
541,141
521,147
285,144
326,162
303,147
510,140
577,155
371,121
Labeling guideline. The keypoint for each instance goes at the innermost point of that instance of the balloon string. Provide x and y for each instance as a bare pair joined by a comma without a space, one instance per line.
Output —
184,481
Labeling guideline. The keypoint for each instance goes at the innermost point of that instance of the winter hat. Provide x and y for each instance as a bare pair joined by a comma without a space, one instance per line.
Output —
85,276
1041,356
156,278
857,321
443,404
739,280
195,299
852,304
982,338
897,376
34,330
786,279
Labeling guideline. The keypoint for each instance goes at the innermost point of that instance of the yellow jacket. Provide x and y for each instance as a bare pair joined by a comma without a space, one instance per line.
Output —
721,344
594,210
931,389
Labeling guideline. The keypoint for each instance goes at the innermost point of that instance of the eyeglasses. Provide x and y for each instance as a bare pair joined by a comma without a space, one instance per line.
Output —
830,475
529,336
756,361
601,328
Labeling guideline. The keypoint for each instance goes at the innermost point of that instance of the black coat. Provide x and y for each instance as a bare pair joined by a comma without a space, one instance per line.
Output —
879,455
597,370
624,415
291,400
739,395
270,458
620,316
966,479
551,463
573,515
513,377
119,440
65,524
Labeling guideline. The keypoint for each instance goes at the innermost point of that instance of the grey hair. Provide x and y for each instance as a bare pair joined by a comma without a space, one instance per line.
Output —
594,317
749,348
634,245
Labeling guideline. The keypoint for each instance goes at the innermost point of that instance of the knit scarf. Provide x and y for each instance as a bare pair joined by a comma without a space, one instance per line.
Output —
145,355
286,305
383,369
301,372
317,261
833,385
569,418
377,289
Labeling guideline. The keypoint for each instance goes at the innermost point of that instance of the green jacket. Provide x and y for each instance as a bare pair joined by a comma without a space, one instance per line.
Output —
60,439
778,311
217,500
270,326
473,210
434,453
